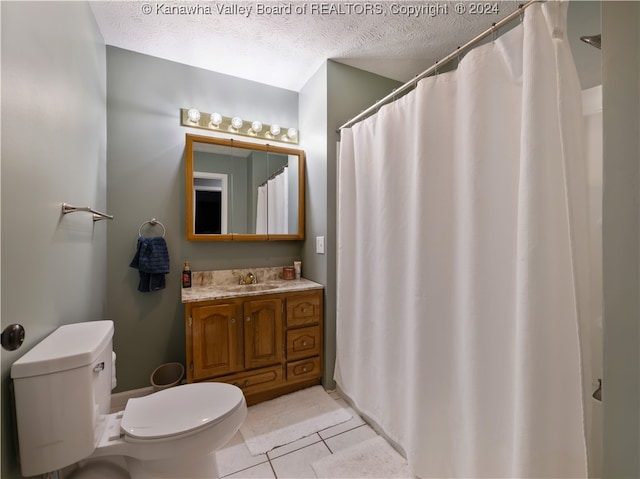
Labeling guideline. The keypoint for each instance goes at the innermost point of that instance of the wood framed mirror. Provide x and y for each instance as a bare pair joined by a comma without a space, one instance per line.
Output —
240,191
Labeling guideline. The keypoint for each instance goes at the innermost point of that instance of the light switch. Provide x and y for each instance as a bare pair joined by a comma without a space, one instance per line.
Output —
320,244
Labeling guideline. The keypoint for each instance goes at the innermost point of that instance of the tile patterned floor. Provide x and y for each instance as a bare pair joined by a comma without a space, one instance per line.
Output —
292,460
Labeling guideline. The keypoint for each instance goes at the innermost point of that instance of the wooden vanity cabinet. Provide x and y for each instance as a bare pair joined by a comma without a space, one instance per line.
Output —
267,345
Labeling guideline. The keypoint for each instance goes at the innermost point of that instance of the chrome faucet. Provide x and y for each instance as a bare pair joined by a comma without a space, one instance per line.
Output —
250,278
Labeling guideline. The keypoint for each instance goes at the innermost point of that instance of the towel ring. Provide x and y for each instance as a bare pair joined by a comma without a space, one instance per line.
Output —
151,222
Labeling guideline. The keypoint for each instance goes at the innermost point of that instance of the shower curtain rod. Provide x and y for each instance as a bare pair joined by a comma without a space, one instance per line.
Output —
281,170
456,54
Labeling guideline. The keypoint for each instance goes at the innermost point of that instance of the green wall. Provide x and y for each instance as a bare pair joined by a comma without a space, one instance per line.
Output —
583,18
54,268
621,239
332,96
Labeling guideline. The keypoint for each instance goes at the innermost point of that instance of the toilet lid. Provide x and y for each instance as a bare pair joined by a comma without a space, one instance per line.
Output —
179,410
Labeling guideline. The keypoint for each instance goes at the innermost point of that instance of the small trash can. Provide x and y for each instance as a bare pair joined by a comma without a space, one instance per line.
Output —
167,375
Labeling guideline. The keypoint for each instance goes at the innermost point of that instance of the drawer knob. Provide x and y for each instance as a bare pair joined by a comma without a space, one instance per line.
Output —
304,370
247,319
304,343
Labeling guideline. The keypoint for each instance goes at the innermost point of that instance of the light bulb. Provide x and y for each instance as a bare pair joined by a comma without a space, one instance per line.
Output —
256,126
275,130
292,133
237,122
216,119
194,115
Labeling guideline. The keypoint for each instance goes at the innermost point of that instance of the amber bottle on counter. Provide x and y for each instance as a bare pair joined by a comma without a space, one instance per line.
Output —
186,275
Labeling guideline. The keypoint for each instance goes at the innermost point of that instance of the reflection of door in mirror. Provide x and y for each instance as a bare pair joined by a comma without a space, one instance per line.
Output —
236,165
210,200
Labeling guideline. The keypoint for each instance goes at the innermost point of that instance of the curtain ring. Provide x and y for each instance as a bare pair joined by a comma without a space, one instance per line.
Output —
458,55
378,105
494,31
521,7
435,69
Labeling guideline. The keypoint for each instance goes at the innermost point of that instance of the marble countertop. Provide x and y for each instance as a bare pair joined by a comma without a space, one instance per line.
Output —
222,284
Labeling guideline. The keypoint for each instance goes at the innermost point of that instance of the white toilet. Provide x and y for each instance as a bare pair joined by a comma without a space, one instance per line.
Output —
63,395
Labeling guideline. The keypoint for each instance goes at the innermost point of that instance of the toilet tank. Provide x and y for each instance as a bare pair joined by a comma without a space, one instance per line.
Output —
62,392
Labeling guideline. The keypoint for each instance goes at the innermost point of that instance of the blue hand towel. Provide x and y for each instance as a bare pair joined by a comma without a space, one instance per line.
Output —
152,261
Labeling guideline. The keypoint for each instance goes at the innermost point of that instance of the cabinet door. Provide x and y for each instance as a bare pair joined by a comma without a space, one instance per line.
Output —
216,347
263,333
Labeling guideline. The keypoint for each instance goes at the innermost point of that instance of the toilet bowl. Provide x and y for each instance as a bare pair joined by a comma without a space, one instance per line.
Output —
188,422
62,406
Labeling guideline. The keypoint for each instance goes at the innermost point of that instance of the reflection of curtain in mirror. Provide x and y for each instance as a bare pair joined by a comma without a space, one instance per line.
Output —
273,205
261,211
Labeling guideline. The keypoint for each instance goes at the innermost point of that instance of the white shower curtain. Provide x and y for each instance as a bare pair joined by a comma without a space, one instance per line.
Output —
463,262
273,205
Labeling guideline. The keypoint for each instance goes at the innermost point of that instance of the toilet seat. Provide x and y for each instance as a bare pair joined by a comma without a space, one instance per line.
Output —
180,410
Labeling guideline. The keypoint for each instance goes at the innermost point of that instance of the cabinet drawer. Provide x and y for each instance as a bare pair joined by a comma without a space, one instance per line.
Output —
256,380
303,342
304,309
304,369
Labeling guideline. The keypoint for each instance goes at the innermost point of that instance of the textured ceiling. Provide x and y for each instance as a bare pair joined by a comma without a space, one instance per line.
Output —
286,46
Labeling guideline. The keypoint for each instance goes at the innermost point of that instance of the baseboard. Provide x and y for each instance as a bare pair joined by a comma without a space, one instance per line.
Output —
119,400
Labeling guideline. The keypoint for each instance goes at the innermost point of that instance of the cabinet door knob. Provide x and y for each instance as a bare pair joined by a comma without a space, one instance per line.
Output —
247,319
233,320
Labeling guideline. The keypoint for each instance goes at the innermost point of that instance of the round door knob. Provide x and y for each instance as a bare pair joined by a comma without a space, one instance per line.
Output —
12,337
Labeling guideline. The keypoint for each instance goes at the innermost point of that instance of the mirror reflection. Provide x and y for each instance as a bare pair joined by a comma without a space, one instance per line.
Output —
243,191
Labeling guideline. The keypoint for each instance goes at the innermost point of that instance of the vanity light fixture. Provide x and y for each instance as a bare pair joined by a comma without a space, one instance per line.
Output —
193,118
194,115
236,123
274,130
256,127
215,120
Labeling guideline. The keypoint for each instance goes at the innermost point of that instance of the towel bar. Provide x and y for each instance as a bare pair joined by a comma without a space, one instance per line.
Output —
97,215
